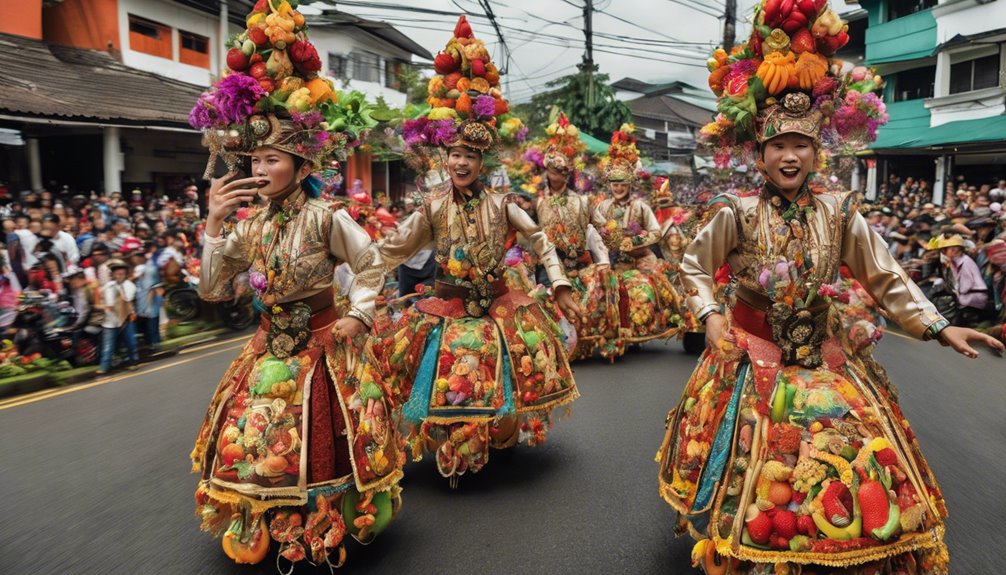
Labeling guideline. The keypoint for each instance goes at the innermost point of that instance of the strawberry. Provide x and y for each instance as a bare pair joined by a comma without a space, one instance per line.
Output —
771,11
820,5
760,528
444,63
478,68
802,41
827,45
794,22
236,60
784,524
255,58
807,8
257,70
261,6
805,525
257,35
779,542
874,505
906,495
886,456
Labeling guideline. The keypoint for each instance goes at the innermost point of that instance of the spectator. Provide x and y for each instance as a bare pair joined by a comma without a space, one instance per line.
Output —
965,280
118,297
148,302
64,245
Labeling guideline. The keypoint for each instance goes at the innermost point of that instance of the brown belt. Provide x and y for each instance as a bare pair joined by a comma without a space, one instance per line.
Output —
754,299
323,301
447,291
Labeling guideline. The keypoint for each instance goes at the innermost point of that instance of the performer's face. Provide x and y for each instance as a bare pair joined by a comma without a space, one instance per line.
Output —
620,190
279,171
464,166
556,179
789,159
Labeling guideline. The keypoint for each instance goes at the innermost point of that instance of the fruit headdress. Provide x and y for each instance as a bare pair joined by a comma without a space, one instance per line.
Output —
784,79
272,95
563,144
622,155
467,107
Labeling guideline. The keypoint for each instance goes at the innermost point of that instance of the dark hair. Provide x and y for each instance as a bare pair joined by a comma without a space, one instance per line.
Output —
50,218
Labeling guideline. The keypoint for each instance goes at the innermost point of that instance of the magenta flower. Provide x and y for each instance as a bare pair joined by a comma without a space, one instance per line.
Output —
258,282
484,107
235,97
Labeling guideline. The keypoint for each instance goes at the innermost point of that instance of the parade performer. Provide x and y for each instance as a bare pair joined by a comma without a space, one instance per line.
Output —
478,365
647,302
296,445
570,221
789,452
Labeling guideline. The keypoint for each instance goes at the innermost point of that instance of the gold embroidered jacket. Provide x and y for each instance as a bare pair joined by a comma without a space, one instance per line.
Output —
495,219
571,224
635,211
309,247
740,233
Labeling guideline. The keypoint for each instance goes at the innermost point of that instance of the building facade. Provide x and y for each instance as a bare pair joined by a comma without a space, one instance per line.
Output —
944,62
101,88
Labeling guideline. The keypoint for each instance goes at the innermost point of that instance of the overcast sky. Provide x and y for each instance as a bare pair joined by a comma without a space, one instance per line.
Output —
651,40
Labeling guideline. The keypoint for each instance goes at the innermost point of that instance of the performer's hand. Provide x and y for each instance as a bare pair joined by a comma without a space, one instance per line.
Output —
960,338
348,327
569,307
225,196
716,329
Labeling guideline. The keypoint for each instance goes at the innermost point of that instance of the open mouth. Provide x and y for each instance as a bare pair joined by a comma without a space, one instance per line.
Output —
789,172
462,173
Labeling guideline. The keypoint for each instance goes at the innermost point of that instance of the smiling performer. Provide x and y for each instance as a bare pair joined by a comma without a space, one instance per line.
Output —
477,365
293,447
646,300
789,452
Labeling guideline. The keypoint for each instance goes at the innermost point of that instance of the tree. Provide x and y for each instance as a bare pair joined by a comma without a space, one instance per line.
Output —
569,94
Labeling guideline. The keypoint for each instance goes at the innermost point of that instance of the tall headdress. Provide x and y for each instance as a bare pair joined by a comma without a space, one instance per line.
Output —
622,155
564,144
467,107
272,95
784,79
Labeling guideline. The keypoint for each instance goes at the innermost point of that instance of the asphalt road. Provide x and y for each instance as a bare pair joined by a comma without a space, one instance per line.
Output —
95,479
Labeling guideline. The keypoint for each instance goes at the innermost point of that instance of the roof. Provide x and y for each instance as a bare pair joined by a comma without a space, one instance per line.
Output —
910,129
381,30
672,108
51,81
651,89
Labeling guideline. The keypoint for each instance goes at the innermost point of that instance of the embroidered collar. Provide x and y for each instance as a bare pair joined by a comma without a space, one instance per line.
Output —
790,209
287,209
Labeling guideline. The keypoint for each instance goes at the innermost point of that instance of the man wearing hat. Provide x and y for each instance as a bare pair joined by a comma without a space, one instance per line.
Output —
82,298
118,296
964,279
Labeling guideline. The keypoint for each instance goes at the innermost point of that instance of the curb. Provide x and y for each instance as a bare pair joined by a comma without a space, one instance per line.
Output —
32,382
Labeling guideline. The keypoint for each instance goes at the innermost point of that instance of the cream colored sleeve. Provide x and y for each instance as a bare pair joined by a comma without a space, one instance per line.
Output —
412,235
520,221
223,258
872,264
351,244
595,244
707,252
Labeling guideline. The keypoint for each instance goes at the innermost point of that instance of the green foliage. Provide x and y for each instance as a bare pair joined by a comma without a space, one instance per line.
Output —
570,95
415,85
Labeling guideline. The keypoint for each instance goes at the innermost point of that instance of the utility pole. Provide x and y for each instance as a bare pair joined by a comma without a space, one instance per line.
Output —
729,24
587,66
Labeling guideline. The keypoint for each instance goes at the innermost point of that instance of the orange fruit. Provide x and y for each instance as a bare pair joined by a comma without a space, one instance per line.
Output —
780,493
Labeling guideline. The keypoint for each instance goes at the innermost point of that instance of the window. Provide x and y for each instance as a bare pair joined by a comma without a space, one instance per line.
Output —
976,74
338,66
915,84
194,49
149,37
366,66
393,70
901,8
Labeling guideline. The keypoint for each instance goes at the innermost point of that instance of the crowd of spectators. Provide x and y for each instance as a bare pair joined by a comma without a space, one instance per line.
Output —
67,246
955,251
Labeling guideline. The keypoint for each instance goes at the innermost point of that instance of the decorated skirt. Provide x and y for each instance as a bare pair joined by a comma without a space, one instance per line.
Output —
781,468
298,449
466,384
649,307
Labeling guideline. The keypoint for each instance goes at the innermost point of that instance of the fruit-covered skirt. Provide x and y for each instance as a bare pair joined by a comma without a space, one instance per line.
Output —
802,467
297,446
466,383
648,305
